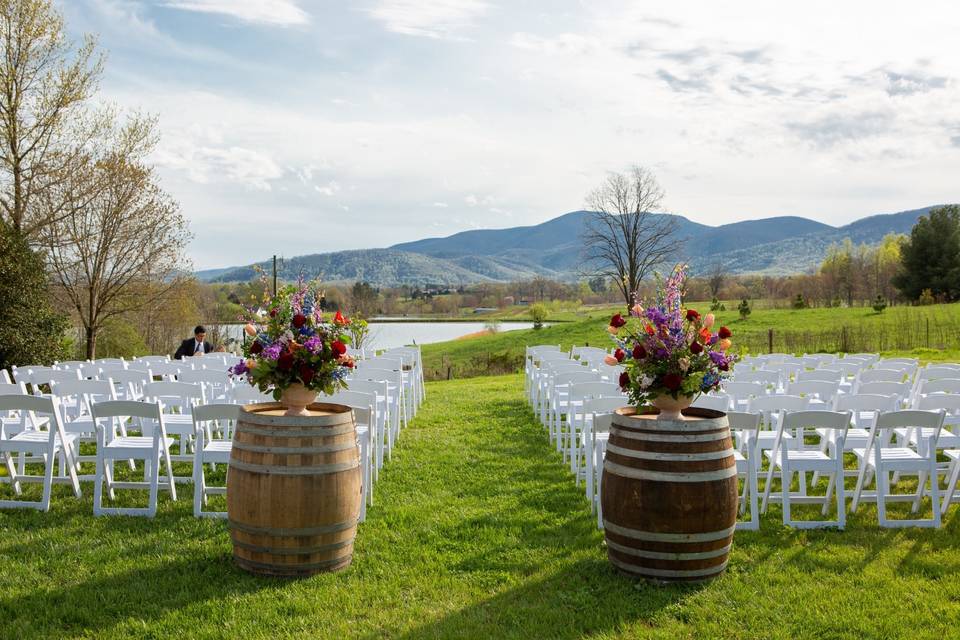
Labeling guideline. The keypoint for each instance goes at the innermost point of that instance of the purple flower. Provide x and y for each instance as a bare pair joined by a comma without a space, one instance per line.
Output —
272,352
313,345
238,369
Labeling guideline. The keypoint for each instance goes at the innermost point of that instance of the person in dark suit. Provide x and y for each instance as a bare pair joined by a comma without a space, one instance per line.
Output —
195,346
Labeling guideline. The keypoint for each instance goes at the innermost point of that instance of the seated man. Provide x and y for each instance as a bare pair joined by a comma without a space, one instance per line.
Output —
195,346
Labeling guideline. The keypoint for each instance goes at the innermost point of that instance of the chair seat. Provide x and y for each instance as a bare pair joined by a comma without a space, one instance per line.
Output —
895,458
131,444
804,459
953,454
28,441
946,439
218,446
741,461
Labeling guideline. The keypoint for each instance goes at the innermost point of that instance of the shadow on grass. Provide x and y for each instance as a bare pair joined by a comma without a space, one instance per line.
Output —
585,597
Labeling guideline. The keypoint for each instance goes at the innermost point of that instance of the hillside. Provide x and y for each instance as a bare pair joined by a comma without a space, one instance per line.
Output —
774,246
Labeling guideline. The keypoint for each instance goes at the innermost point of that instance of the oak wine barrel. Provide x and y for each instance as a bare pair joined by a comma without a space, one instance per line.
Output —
294,489
669,494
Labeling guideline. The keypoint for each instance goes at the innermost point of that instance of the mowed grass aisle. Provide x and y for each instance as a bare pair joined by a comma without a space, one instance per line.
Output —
478,532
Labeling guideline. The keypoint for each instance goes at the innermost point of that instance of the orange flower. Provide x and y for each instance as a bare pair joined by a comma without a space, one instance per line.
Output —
649,329
705,335
294,345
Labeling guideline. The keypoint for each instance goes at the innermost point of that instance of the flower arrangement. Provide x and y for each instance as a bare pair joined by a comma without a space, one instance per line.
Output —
288,342
669,351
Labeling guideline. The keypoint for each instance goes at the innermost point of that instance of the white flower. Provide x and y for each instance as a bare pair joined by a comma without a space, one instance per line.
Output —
645,381
684,363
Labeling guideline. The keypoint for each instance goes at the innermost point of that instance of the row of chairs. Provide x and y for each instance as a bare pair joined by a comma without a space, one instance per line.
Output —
48,422
768,425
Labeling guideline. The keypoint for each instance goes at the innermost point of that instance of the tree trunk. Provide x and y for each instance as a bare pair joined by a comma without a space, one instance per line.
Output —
91,343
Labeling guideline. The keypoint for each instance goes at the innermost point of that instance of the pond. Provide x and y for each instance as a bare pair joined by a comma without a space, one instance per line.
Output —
384,335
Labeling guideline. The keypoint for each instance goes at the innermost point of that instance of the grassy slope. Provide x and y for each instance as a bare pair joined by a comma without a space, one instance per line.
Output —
478,532
802,330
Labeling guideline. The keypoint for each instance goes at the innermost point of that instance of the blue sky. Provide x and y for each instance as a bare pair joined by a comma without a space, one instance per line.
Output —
304,126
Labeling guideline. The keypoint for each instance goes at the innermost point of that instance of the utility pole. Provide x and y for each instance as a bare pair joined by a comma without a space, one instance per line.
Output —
274,275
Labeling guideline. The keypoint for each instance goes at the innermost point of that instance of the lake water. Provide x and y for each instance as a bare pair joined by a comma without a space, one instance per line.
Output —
384,335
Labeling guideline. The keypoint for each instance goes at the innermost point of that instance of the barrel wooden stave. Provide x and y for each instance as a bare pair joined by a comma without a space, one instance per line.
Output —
294,490
674,522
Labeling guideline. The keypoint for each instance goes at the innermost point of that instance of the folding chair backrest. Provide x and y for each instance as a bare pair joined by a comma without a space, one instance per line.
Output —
881,375
87,392
26,402
183,395
717,402
5,377
744,390
50,377
602,411
13,389
898,389
859,402
821,375
947,401
743,421
243,393
593,389
376,373
898,361
363,404
121,409
941,385
368,386
781,402
799,422
763,376
826,391
225,415
166,369
937,373
574,377
911,419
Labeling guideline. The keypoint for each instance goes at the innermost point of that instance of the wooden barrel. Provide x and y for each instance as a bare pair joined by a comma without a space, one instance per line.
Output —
669,495
294,489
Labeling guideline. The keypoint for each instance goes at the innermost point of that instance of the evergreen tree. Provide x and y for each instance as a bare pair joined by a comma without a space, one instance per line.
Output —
931,256
31,331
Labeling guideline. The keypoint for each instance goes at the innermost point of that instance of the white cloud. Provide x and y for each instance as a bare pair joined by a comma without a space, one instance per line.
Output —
206,164
272,12
471,200
428,18
440,205
329,189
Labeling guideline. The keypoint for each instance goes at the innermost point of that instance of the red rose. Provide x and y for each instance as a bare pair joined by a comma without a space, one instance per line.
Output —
672,381
299,320
256,347
619,354
338,347
724,333
306,374
273,313
692,315
624,380
696,347
285,361
617,321
723,367
639,353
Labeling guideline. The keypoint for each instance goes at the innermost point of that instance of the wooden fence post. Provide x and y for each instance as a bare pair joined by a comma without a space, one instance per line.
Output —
770,340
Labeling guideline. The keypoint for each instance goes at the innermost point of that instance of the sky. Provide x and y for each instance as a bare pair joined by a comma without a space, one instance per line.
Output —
304,126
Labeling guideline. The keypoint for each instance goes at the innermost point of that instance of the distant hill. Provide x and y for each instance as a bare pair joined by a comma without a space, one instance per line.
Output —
773,246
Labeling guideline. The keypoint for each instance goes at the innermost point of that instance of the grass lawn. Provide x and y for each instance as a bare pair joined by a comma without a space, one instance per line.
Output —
478,531
897,331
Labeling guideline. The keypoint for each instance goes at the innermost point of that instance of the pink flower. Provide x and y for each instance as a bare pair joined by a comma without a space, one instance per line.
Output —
708,320
610,361
637,310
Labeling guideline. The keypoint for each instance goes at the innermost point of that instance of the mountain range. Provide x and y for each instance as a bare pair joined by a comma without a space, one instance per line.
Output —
773,246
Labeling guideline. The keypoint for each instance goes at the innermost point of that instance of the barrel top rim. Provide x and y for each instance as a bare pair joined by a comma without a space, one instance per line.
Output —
650,414
277,410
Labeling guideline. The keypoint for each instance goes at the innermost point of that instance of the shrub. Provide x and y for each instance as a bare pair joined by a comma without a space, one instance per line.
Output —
879,303
716,305
926,297
799,302
744,309
538,313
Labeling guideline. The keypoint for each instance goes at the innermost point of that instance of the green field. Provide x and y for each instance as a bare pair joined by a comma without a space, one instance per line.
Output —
930,333
478,531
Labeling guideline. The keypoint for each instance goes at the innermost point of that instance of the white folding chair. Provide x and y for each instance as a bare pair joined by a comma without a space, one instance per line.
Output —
365,421
211,450
899,390
599,412
800,459
578,394
878,375
715,401
770,379
243,393
820,394
167,370
741,392
384,437
42,446
747,425
882,457
153,447
215,382
177,400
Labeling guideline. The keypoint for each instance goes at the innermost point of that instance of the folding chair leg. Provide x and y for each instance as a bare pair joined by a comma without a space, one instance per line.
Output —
826,500
47,482
165,453
951,486
12,470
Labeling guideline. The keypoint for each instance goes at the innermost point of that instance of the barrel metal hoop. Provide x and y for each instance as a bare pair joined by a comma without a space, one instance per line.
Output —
292,551
275,470
658,455
292,533
329,448
660,437
659,536
290,568
668,573
287,432
690,425
664,555
668,476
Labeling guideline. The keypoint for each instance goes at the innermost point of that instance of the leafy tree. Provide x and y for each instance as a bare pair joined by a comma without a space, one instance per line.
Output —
930,257
31,331
879,303
799,302
538,313
598,284
744,309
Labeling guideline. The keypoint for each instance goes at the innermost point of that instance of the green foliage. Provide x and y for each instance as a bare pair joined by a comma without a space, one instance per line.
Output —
799,302
31,330
539,313
931,256
926,298
120,339
716,305
598,284
879,303
744,309
359,330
